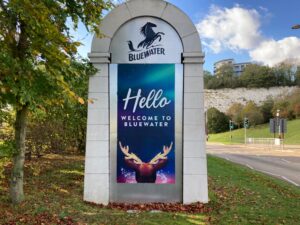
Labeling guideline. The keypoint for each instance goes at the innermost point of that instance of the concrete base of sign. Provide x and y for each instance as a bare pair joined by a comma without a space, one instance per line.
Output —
97,173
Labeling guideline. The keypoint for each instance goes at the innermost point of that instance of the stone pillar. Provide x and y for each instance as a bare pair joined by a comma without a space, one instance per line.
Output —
195,186
96,178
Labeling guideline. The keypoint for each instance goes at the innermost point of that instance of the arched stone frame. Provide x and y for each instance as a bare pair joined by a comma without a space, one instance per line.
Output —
96,183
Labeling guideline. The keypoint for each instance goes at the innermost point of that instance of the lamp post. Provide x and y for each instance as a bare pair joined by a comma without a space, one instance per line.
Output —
297,26
278,122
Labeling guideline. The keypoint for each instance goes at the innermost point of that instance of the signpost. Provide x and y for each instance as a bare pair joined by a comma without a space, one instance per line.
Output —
231,126
246,125
278,125
146,129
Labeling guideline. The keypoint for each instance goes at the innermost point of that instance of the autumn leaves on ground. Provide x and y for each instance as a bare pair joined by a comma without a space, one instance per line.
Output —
54,187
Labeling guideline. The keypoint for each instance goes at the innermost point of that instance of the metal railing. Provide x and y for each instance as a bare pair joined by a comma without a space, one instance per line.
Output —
266,142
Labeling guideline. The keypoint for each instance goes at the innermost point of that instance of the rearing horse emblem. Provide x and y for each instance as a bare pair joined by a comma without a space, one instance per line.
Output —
150,37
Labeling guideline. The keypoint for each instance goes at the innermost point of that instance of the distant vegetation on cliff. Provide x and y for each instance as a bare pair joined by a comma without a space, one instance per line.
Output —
254,76
289,106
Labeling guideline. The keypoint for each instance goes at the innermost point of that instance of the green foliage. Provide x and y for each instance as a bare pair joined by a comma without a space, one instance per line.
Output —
60,128
216,121
297,77
285,108
266,109
244,196
255,76
237,195
38,61
284,73
37,49
207,76
55,197
292,136
224,78
252,112
235,113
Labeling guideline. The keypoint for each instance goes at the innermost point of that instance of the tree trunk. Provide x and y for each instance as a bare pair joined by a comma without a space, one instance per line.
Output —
16,185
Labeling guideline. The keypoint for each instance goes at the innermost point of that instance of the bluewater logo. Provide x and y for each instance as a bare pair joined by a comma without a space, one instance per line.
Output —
147,47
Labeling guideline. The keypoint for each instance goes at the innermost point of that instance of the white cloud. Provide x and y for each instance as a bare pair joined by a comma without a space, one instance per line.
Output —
271,52
237,29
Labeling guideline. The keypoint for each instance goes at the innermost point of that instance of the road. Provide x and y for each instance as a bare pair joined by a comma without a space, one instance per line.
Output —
283,164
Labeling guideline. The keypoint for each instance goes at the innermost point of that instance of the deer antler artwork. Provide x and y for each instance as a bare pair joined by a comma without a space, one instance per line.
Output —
130,156
146,172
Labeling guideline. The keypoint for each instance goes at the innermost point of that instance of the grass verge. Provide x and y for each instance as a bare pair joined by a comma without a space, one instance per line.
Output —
292,136
54,187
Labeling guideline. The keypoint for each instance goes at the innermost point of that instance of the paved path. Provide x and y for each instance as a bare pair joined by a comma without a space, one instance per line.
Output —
283,164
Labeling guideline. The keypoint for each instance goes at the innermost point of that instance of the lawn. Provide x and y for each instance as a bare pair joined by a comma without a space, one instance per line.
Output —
292,136
54,187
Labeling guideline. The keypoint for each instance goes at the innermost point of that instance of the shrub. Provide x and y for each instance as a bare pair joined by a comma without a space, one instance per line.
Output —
252,112
235,113
216,121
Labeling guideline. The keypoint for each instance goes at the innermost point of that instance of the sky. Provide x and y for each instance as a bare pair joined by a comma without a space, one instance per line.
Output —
245,30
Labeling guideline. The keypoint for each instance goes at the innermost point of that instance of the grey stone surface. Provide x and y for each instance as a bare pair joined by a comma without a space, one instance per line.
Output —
97,116
194,166
97,132
146,8
96,188
102,69
193,100
98,84
113,21
96,184
97,149
99,57
179,20
191,42
194,149
100,101
194,117
193,57
96,165
100,45
193,133
195,189
193,84
193,70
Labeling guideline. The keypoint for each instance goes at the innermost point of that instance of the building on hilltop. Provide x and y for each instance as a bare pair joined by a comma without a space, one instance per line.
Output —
238,68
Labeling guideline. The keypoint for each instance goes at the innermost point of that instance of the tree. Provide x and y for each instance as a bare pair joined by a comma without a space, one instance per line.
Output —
285,108
216,121
252,112
226,77
207,76
36,51
297,79
284,74
235,113
257,76
266,109
60,129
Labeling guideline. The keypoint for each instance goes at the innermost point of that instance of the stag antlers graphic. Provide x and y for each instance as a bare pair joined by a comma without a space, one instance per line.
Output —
128,156
137,160
146,172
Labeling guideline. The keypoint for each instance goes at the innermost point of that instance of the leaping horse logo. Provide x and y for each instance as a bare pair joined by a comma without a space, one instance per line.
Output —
150,37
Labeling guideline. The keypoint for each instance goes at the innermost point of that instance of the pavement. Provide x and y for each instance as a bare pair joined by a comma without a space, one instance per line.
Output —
281,163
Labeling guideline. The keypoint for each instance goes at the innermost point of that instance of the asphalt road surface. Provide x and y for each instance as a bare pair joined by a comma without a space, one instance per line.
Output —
283,164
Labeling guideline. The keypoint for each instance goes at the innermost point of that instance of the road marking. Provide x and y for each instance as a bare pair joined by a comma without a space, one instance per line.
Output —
284,160
288,180
250,166
273,174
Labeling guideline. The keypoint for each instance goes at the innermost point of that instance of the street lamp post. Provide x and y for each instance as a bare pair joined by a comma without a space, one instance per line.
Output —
278,122
297,26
